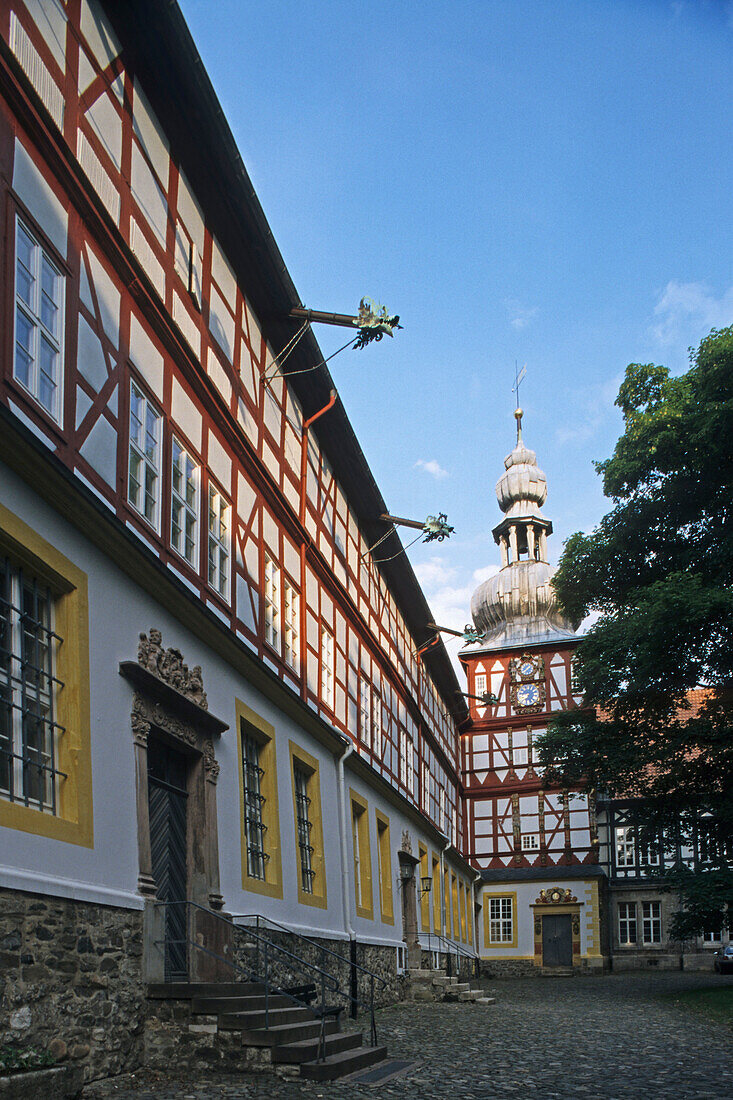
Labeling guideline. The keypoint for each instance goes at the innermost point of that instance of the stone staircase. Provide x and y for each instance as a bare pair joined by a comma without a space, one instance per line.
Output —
224,1024
436,985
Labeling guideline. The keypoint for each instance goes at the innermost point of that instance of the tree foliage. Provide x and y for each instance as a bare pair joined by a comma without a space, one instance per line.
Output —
658,571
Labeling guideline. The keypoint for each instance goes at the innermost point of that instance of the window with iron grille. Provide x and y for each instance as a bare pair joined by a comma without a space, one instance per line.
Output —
39,322
254,827
143,488
302,809
501,922
28,689
218,572
627,922
184,503
651,913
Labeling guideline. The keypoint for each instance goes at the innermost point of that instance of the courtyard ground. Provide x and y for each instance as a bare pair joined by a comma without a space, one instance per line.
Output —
619,1036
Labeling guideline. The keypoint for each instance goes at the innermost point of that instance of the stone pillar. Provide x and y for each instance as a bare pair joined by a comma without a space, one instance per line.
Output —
530,541
504,551
513,552
211,774
408,863
140,732
543,545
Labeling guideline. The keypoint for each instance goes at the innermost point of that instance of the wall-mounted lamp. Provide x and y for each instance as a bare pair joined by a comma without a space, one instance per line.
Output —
426,883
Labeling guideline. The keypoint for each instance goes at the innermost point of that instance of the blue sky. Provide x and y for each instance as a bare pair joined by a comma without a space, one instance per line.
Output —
541,181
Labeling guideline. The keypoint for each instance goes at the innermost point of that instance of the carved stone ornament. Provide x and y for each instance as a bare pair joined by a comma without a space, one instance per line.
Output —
406,842
556,896
168,665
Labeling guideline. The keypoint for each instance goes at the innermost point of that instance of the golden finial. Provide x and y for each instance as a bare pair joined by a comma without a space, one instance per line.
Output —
518,414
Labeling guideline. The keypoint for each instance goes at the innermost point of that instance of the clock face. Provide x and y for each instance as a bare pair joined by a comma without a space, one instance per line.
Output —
528,695
526,669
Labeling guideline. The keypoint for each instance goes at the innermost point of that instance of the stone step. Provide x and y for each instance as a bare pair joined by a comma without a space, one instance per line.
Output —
486,1000
282,1034
467,995
255,1021
557,971
212,1006
338,1065
306,1050
420,974
184,991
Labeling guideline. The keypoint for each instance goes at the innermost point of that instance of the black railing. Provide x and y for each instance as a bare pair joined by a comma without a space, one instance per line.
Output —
263,974
435,942
262,924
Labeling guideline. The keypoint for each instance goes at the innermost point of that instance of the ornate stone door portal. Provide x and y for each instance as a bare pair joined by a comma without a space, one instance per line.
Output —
170,718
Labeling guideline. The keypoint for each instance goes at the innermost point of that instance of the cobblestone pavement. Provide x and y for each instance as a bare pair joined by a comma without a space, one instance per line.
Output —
612,1037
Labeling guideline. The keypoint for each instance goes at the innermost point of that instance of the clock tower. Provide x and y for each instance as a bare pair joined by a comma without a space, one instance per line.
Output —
536,847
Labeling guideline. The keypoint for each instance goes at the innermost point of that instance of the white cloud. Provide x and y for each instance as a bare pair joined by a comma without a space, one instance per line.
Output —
449,600
684,307
432,467
519,314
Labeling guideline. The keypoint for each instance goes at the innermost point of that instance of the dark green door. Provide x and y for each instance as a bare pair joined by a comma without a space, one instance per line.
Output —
557,940
167,796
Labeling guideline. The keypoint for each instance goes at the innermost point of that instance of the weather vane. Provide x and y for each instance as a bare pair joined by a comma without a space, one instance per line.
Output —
518,379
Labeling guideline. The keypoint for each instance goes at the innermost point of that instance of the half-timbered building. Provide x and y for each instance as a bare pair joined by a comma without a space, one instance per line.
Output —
210,688
536,846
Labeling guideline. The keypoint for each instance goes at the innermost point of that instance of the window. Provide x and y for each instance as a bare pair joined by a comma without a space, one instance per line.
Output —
442,813
272,603
327,668
384,854
648,851
401,958
28,689
291,622
184,503
39,322
530,842
651,912
519,756
362,856
501,920
377,719
143,491
479,685
425,787
254,826
258,800
308,820
218,541
625,848
712,937
627,922
304,826
365,713
406,770
43,599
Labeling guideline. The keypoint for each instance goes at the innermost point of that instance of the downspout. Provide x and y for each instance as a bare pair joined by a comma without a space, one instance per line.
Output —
346,892
345,868
443,903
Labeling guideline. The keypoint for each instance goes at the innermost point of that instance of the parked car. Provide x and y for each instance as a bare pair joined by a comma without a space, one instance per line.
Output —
723,961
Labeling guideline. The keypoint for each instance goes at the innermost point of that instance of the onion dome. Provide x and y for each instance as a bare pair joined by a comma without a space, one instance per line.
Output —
518,606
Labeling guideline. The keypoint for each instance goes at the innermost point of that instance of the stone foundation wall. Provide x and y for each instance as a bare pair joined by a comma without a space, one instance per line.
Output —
646,961
174,1036
379,959
509,968
71,981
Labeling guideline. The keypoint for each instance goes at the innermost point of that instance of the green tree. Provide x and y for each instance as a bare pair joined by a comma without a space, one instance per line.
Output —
658,571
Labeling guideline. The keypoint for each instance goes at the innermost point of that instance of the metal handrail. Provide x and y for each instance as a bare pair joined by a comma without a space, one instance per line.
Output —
327,981
355,1001
450,948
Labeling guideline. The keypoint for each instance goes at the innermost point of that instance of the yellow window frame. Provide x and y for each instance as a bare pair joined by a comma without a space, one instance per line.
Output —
264,734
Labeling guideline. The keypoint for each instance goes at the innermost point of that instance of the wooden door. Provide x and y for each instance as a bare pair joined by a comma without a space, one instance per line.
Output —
557,940
167,798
